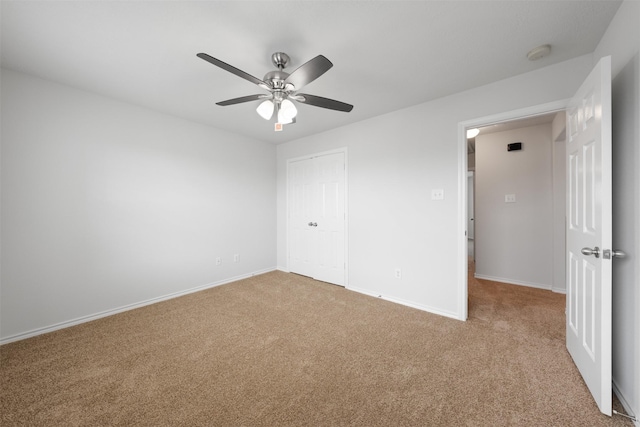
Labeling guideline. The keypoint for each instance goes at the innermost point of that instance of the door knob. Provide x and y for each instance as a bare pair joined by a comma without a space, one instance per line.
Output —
313,224
588,251
615,253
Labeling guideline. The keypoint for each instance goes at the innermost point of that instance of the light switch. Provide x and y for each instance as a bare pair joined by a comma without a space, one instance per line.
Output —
509,198
437,194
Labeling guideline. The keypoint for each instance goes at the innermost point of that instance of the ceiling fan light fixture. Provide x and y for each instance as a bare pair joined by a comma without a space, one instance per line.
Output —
287,111
284,120
265,109
281,119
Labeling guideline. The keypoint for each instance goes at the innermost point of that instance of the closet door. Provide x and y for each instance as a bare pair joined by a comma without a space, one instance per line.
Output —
317,217
330,216
301,183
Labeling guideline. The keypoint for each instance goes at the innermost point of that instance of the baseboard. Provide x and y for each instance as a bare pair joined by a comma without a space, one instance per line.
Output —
625,403
106,313
404,302
513,282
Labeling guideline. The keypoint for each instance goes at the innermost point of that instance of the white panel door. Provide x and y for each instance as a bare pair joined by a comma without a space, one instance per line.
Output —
302,191
317,217
330,216
588,313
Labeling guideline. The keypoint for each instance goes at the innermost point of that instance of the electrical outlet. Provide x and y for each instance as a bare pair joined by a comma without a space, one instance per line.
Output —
236,258
218,261
398,273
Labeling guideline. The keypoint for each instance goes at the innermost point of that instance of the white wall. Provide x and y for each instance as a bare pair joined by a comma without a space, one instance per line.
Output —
394,162
105,205
622,42
514,241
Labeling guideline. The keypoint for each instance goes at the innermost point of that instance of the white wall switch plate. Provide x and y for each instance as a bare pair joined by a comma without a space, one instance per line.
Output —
509,198
437,194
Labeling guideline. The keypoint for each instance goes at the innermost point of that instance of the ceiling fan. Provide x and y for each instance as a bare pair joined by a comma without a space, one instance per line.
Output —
283,88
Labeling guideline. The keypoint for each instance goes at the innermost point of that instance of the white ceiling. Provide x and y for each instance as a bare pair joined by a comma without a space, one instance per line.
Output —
387,55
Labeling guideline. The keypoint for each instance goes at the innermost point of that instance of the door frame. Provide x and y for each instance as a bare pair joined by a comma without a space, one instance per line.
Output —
346,205
523,113
471,174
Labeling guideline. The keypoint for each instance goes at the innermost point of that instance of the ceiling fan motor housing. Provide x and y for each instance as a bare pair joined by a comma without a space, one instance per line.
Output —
275,79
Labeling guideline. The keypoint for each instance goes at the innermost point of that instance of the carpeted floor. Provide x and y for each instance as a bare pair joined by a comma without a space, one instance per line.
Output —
281,349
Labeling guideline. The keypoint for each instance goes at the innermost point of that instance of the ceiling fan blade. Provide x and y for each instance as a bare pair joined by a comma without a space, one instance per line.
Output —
319,101
308,72
241,100
232,69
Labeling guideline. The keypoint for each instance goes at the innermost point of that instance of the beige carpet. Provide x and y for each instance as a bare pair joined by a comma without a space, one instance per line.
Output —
280,349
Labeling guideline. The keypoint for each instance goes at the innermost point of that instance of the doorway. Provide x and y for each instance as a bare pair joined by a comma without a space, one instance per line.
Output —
463,162
520,189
